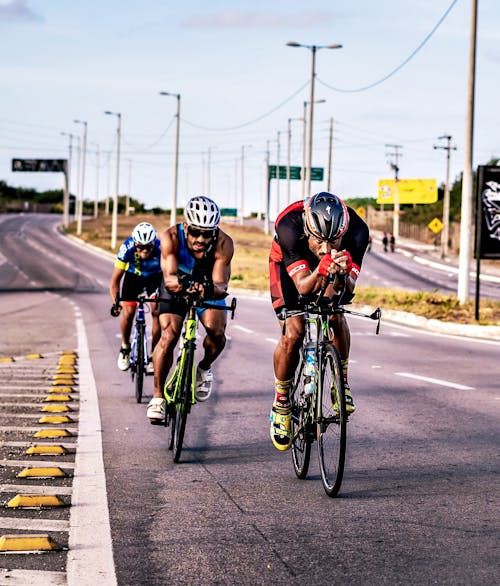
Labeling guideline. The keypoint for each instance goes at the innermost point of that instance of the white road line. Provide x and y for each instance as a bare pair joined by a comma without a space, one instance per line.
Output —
31,577
90,556
44,490
242,329
33,524
272,340
436,381
36,464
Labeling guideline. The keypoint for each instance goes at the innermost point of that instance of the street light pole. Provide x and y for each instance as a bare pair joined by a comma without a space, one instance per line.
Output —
67,175
173,213
446,199
114,220
395,167
242,211
96,200
82,178
313,49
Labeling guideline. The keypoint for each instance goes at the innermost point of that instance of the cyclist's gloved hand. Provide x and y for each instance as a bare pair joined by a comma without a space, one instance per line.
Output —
208,290
115,310
185,282
324,263
348,266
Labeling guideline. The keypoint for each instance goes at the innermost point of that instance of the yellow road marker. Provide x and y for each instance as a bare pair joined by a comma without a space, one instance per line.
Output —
63,381
55,398
33,356
35,501
66,370
55,419
51,472
68,352
55,408
42,542
43,433
9,359
46,449
61,389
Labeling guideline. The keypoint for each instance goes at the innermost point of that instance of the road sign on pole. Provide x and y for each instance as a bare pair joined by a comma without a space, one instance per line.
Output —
295,173
40,165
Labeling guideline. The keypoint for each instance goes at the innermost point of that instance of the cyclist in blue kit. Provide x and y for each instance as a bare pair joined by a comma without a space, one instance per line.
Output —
138,264
195,256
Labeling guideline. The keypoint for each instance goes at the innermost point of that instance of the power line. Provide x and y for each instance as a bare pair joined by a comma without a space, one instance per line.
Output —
399,67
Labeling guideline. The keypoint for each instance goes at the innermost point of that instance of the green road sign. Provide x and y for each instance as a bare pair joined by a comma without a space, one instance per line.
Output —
296,172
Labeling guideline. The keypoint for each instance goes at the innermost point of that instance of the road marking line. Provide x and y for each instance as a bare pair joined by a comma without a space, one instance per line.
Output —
272,340
436,381
90,556
242,329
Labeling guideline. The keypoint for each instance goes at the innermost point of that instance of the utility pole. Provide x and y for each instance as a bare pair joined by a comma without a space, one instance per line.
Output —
96,200
82,177
394,164
466,207
330,143
278,174
446,200
267,224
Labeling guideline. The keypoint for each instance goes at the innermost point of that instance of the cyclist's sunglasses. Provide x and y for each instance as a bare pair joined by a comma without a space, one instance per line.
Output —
141,247
196,232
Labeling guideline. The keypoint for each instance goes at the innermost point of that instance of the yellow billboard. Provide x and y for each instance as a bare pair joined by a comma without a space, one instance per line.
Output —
409,191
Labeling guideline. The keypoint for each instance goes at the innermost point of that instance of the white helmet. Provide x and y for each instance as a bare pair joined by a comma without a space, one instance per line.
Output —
202,212
144,234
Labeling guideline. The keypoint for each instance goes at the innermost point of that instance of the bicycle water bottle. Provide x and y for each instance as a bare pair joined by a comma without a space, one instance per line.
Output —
309,369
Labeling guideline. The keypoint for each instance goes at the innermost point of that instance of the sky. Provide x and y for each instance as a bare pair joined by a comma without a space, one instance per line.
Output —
389,84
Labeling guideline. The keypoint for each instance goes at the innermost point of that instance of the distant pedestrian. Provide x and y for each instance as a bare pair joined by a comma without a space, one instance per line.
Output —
385,241
392,242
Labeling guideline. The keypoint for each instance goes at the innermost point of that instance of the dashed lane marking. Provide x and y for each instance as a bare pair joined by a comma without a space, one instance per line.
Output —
242,329
436,381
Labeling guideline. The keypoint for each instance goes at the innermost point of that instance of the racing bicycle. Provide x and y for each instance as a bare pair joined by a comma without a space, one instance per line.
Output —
139,355
318,395
179,388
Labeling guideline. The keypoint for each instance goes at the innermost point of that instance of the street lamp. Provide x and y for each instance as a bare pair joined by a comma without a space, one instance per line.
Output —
289,141
82,177
313,49
66,180
303,173
173,213
242,212
114,221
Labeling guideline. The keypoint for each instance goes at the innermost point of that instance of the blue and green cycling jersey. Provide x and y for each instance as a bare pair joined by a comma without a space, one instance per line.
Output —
129,260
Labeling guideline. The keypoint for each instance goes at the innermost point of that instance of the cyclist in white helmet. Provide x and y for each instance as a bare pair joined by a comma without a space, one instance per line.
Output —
138,264
198,251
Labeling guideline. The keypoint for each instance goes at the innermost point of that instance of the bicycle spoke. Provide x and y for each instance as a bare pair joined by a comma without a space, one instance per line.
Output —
332,422
301,442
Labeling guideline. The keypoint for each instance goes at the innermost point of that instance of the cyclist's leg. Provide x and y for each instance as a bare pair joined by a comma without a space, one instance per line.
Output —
342,341
214,322
130,290
286,354
170,319
154,284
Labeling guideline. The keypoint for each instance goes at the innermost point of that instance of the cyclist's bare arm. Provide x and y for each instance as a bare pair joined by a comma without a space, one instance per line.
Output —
114,283
169,263
221,272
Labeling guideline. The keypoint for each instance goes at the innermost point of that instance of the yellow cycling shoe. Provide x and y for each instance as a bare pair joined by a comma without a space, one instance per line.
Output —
350,407
281,424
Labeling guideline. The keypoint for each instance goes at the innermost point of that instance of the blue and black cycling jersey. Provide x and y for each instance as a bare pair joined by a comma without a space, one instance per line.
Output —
130,261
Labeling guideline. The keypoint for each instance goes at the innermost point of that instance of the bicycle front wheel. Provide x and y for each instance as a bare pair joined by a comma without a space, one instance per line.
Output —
183,406
139,365
301,439
332,420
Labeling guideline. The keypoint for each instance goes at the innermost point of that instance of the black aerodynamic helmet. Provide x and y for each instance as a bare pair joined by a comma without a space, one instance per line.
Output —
325,216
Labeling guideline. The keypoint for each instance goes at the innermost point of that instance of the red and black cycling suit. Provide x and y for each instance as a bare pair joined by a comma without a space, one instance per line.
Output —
290,252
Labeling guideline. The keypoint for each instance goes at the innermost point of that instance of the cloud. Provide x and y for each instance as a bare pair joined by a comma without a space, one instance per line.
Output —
17,10
258,20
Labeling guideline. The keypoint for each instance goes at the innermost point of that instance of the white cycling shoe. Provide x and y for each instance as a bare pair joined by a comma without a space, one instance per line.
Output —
156,410
203,387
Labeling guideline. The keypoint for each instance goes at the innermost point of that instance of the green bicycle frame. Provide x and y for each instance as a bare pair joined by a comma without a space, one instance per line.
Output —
176,379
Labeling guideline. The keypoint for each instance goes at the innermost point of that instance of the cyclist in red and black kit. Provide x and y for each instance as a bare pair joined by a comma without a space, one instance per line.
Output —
315,239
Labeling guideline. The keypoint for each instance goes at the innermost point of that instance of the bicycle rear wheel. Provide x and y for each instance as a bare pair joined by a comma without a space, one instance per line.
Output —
332,424
301,439
183,406
139,365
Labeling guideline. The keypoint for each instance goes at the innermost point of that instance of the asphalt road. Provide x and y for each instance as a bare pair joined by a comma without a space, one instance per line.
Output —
419,502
